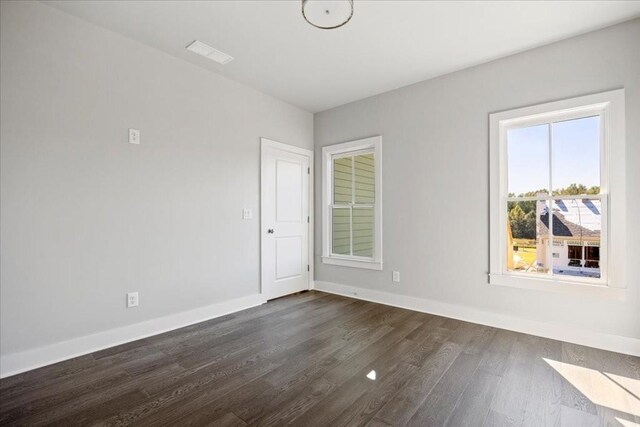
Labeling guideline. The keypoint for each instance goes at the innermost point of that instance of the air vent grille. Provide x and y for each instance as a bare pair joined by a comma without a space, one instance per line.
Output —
207,51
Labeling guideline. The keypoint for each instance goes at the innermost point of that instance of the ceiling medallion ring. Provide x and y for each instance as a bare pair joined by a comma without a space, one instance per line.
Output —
307,14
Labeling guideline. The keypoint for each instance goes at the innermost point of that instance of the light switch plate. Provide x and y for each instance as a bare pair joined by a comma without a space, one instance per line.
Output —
134,136
247,214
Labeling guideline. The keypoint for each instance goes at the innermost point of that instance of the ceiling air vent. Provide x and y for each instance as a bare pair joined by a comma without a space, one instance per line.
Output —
207,51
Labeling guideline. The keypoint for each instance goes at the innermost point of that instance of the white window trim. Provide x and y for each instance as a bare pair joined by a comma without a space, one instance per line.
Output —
371,144
611,106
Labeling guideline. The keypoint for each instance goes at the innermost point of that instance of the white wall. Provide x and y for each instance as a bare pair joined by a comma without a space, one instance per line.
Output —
87,217
436,170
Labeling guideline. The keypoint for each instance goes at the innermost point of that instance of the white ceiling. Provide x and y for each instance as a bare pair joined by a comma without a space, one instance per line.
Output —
387,44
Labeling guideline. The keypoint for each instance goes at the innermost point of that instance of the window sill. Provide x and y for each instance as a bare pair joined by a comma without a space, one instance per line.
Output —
566,287
346,262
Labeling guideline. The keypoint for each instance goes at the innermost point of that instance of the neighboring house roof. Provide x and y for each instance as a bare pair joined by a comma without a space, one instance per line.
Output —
563,227
572,218
580,211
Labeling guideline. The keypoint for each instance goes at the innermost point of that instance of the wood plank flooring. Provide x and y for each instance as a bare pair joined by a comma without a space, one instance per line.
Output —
316,359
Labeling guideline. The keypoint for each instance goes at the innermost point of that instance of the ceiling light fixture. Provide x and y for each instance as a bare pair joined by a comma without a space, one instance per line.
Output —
327,14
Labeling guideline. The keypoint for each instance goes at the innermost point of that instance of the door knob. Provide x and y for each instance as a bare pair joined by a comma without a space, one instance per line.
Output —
270,231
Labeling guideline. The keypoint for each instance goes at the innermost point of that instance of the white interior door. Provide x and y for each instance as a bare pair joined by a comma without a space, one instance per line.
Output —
285,219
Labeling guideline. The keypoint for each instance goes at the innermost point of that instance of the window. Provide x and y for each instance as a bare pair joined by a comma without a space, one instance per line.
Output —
575,254
592,257
352,200
557,194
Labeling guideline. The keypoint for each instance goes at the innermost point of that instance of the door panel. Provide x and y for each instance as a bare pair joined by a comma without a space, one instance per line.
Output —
288,191
285,227
288,257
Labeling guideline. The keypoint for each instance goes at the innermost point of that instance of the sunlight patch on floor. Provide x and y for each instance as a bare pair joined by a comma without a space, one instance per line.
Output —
627,423
631,385
604,389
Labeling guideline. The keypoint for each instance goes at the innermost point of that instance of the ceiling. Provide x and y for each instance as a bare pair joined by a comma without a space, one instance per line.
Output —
387,44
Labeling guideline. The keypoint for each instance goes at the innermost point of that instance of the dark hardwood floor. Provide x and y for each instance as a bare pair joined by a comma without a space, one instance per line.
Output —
320,359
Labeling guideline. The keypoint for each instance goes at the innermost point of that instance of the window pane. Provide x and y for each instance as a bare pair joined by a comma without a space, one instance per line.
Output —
528,160
342,180
528,238
576,235
364,177
575,148
575,253
341,231
363,219
592,257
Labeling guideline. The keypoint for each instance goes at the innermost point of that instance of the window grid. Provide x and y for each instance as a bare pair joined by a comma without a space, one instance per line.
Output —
353,204
550,198
609,250
361,220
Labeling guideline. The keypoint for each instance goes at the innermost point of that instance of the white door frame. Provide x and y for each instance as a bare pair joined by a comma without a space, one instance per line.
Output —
264,143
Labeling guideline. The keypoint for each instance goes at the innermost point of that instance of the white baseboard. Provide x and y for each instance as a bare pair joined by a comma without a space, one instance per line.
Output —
616,343
15,363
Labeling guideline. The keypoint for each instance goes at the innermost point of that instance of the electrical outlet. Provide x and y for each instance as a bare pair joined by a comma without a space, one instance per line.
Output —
134,136
396,276
247,214
132,299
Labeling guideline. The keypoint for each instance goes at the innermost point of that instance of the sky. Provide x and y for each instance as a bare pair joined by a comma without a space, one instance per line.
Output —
575,147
